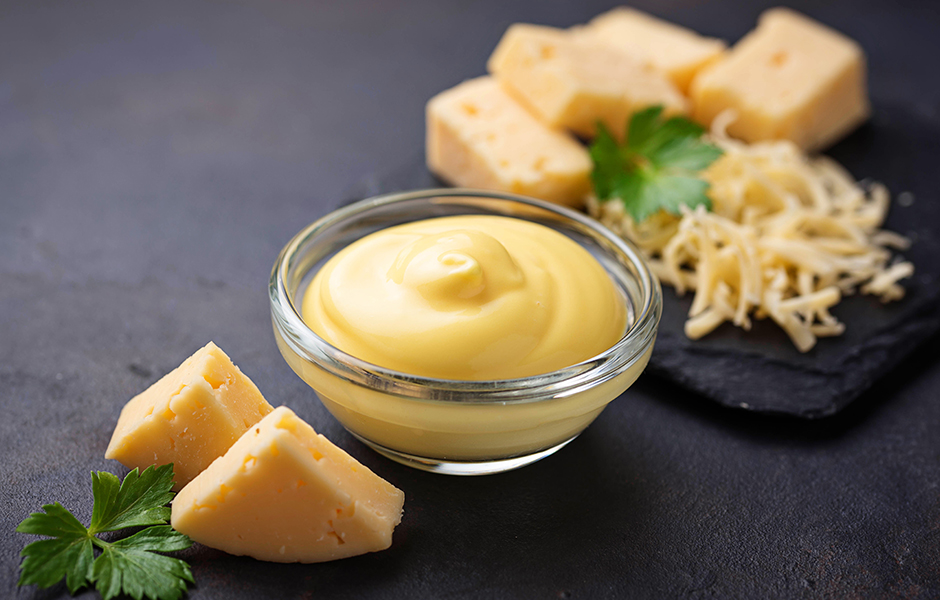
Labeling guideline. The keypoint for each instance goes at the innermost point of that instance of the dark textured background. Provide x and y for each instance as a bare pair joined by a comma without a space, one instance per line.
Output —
155,157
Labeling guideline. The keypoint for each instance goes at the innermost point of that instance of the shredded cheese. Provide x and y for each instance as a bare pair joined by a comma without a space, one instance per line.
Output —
787,237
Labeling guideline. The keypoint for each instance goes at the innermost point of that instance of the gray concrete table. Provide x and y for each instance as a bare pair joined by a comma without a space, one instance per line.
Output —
155,157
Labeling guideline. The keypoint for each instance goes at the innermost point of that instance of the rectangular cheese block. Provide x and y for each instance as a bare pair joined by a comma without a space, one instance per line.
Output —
480,137
676,51
573,83
283,493
190,417
791,78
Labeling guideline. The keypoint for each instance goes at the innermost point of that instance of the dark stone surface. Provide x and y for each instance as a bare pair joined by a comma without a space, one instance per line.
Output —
154,158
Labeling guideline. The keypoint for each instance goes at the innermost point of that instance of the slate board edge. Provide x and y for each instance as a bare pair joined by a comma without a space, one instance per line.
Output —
666,364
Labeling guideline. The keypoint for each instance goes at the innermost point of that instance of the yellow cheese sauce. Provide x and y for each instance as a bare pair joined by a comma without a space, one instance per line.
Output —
467,298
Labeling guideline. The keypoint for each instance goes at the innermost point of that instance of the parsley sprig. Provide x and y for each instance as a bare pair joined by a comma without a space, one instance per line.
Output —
129,565
656,168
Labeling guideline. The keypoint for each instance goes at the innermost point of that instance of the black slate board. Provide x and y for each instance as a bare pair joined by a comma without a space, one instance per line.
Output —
760,370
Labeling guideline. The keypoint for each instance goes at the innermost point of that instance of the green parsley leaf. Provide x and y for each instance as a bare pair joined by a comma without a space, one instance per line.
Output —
129,565
68,554
656,169
608,163
139,500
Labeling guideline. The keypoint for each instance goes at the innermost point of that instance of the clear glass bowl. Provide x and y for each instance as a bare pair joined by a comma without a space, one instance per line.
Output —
450,426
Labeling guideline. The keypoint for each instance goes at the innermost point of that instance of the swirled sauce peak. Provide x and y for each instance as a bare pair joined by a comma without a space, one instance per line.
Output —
468,297
457,269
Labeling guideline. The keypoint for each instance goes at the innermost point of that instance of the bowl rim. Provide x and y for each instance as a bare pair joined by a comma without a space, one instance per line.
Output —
630,348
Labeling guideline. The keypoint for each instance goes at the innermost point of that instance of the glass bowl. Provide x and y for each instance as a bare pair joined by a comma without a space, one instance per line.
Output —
452,426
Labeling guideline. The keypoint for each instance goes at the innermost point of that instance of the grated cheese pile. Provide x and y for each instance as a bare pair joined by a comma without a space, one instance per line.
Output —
789,235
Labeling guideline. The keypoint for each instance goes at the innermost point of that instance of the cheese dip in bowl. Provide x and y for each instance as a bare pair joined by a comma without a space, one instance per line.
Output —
461,331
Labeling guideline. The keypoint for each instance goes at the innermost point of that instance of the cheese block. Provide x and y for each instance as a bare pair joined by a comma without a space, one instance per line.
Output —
573,83
283,493
676,51
478,136
791,78
189,417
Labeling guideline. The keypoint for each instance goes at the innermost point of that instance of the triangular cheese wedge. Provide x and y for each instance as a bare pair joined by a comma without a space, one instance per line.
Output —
190,417
284,493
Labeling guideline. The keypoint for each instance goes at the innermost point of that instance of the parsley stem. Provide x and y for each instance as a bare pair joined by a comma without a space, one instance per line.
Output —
99,542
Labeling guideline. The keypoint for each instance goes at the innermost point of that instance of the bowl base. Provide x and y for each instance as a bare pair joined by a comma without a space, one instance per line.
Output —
451,467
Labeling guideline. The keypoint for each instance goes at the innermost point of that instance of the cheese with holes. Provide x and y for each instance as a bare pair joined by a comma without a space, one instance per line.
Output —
669,48
791,78
478,136
189,417
573,83
283,493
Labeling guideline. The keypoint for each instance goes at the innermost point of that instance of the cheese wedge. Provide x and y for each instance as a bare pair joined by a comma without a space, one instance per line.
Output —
791,78
478,136
283,493
573,83
676,51
190,417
